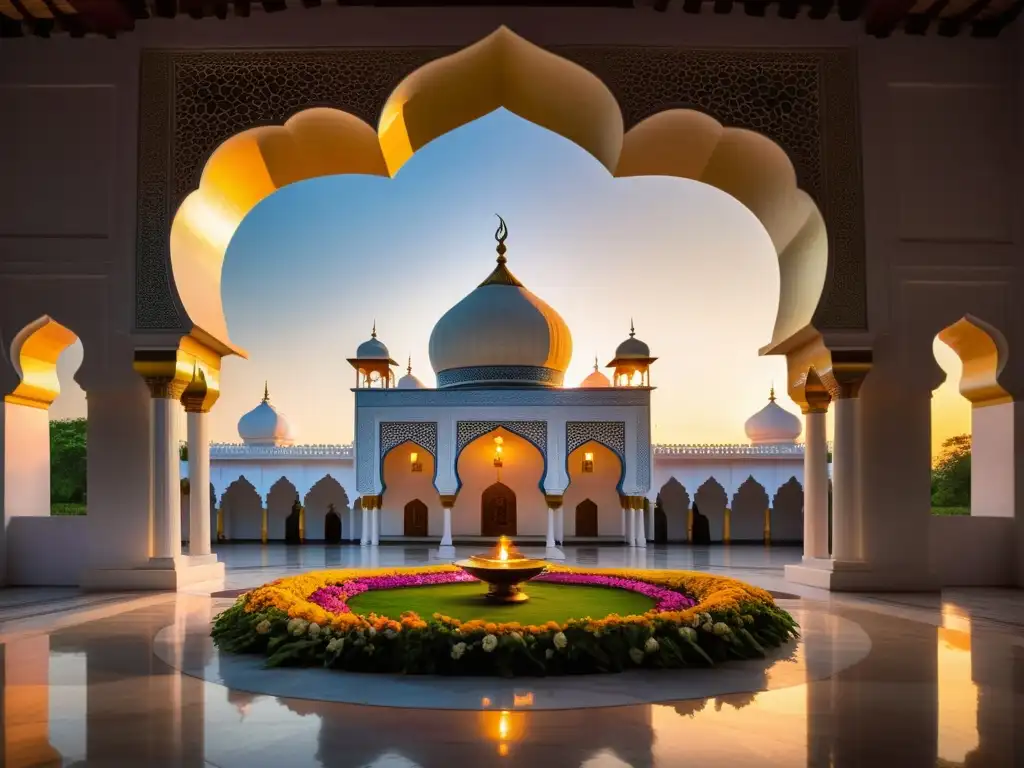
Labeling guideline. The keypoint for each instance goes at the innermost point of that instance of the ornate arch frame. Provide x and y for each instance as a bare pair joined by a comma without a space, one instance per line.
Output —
805,101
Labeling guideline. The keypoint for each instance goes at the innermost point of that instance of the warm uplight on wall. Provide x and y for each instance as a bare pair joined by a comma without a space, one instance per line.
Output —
497,451
414,462
588,462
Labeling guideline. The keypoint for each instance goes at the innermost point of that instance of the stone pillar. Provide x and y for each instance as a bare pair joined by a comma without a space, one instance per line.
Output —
364,522
351,524
199,481
651,504
375,524
302,525
560,526
641,539
166,470
631,523
220,522
554,502
446,548
264,525
846,524
815,480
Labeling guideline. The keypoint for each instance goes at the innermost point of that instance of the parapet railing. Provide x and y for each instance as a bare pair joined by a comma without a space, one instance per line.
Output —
240,450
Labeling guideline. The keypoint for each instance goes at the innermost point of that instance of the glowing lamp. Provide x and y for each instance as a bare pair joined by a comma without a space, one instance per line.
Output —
588,462
414,462
497,451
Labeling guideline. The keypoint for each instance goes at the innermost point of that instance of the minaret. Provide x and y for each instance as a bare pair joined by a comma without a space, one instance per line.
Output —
373,363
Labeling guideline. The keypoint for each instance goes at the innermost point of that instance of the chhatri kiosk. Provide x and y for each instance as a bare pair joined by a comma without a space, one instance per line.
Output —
504,444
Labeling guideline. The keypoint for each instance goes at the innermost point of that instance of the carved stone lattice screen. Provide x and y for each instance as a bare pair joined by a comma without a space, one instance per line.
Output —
192,101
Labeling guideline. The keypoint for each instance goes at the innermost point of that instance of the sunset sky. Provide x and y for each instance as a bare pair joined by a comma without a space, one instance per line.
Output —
315,264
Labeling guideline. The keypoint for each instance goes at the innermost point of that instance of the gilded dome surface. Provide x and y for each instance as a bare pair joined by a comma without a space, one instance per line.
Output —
773,424
500,334
263,425
409,381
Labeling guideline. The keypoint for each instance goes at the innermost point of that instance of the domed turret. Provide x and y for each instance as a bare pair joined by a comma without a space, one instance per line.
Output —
263,425
409,381
773,424
595,379
632,362
501,334
373,363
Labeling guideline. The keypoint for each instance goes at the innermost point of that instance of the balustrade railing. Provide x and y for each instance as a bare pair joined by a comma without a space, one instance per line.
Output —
240,450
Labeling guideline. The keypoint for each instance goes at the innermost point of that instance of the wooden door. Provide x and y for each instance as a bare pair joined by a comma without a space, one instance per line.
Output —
498,511
332,527
415,518
586,518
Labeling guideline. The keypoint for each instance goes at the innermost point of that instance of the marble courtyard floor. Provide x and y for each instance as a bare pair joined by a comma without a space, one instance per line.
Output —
876,680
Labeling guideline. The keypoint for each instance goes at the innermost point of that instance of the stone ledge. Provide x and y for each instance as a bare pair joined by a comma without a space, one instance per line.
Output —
172,574
858,577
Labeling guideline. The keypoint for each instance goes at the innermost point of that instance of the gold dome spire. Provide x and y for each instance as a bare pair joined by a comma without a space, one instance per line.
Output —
501,274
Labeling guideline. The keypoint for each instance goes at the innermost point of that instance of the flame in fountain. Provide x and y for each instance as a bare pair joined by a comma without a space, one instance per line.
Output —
503,549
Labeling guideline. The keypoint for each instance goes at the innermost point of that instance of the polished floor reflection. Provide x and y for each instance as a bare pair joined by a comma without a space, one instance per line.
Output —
942,684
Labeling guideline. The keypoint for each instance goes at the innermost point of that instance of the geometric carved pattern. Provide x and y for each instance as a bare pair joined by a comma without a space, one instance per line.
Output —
805,101
610,434
364,456
489,398
643,453
535,432
532,374
394,433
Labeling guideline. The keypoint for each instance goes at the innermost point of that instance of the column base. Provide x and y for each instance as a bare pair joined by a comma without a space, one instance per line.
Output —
445,552
553,553
160,573
858,576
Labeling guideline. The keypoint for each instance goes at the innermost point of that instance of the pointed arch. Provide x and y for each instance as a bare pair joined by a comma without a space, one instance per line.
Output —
748,511
711,501
787,515
242,508
280,500
326,498
675,502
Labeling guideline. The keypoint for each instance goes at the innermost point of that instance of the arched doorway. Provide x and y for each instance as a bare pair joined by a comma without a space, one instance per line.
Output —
787,519
291,523
416,518
586,518
498,511
749,505
326,496
660,522
332,526
711,499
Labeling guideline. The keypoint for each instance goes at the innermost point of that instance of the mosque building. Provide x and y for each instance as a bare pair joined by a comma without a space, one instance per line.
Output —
502,446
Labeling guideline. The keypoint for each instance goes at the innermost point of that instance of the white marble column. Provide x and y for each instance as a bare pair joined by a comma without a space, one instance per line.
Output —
166,478
641,540
351,524
631,519
560,526
815,485
199,483
375,526
651,503
550,540
364,527
846,544
446,534
623,525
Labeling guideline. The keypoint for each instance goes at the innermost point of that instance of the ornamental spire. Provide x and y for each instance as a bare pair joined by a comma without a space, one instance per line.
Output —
771,394
595,364
373,333
266,392
501,275
408,368
632,330
501,234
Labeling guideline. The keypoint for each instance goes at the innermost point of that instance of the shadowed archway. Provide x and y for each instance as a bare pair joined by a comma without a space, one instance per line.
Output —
675,502
747,514
712,500
498,511
787,515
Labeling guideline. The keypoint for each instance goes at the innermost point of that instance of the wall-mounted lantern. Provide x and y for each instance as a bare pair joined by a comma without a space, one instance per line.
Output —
497,451
588,462
414,462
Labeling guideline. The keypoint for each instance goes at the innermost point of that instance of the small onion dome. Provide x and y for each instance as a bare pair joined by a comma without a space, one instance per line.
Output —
632,348
263,425
499,335
373,348
409,381
773,424
595,379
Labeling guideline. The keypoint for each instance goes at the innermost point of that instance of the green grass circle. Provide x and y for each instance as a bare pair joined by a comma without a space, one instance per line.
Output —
465,601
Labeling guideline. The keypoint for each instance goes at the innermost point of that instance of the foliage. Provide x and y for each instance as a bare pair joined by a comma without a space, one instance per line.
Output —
730,620
183,451
951,476
67,510
951,511
68,461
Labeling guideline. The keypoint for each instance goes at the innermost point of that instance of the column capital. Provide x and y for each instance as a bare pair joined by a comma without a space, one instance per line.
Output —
448,500
169,371
370,501
849,369
199,395
554,500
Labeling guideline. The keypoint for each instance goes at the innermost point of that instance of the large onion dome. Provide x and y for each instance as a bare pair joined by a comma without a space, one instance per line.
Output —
409,381
373,348
263,425
501,334
595,379
773,424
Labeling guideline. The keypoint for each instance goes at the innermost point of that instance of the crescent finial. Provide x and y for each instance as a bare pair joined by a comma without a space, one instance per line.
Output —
500,234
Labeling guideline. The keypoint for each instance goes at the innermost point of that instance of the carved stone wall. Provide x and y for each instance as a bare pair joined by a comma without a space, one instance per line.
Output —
192,101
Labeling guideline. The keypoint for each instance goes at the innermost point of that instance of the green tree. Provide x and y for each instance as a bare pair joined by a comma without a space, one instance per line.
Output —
68,461
951,475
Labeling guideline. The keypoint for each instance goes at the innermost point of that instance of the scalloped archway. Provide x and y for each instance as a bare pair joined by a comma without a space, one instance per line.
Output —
502,70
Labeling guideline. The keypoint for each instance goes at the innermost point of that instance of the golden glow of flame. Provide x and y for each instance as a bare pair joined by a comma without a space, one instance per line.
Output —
503,725
503,750
522,700
503,548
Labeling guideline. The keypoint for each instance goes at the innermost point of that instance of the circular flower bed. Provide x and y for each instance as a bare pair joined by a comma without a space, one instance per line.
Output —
697,620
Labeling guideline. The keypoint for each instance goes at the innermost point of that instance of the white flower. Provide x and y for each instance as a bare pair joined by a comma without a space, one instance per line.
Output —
489,643
300,627
707,617
721,628
314,629
457,650
263,627
516,636
697,621
708,626
636,655
549,653
688,634
337,644
560,640
651,646
390,634
371,631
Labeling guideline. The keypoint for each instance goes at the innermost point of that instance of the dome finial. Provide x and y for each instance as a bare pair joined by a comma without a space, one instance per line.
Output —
632,330
266,392
771,394
408,368
373,333
500,235
595,364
